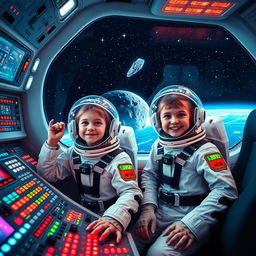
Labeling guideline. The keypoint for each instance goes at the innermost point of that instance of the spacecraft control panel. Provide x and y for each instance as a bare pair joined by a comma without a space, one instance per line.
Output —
38,220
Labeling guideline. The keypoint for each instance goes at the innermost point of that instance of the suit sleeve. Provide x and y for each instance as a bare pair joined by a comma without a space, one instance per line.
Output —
125,182
150,178
217,174
52,164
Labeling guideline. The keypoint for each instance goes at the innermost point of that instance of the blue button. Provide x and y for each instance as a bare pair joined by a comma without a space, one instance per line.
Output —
12,241
23,230
27,226
17,235
5,247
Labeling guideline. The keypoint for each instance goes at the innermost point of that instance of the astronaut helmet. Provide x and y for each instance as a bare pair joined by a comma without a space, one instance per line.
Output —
195,131
110,141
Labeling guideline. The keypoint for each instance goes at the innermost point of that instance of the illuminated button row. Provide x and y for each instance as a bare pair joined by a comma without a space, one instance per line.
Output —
7,101
6,117
7,129
2,183
74,217
14,165
26,198
25,187
4,154
11,197
43,226
191,7
6,247
54,228
115,250
71,245
29,159
34,205
8,123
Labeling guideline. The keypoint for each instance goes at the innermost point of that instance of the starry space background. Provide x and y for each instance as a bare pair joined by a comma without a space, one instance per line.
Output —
207,59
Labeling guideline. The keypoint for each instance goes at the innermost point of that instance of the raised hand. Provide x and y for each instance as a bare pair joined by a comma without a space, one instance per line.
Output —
55,133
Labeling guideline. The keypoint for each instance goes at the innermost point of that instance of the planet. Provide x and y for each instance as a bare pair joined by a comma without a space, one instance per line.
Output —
132,109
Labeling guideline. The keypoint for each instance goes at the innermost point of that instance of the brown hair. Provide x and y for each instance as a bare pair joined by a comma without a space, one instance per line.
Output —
174,100
103,113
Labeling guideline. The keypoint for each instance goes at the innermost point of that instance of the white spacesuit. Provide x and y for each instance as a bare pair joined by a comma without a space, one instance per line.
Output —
186,179
104,173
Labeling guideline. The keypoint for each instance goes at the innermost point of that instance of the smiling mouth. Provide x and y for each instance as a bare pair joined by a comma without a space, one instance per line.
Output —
174,128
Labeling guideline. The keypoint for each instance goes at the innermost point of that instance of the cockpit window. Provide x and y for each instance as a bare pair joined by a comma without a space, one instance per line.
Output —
128,60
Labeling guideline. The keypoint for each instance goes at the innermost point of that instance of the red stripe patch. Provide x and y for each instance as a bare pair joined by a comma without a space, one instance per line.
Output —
127,172
216,162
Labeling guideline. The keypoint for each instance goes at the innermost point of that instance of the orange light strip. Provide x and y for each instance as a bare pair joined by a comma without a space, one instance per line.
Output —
214,11
173,9
199,3
193,10
180,2
196,8
221,5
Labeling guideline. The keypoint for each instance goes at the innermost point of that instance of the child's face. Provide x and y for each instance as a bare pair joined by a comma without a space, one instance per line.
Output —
91,127
175,121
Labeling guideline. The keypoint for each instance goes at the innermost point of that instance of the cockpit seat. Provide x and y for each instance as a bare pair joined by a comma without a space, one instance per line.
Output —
238,233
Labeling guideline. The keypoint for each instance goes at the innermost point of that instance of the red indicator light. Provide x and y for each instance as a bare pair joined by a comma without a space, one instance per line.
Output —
106,251
125,250
118,250
18,220
25,66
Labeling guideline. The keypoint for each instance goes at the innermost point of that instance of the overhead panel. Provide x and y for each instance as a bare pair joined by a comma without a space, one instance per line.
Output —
210,9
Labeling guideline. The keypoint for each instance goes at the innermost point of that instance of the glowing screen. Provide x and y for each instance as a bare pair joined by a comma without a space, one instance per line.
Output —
10,59
5,230
3,174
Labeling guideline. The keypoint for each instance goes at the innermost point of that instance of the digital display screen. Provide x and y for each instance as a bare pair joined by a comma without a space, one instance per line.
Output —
3,174
9,114
213,157
5,177
5,109
11,58
5,230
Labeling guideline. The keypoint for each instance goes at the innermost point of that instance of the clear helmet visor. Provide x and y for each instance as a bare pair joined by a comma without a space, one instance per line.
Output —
98,102
199,112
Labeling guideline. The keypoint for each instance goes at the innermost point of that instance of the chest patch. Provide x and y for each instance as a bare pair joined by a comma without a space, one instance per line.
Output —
127,172
216,162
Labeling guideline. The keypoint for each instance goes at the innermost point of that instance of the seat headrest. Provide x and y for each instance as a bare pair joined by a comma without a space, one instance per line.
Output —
250,127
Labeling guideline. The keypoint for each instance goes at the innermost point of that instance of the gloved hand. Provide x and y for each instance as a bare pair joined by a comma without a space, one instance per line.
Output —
107,226
147,218
179,235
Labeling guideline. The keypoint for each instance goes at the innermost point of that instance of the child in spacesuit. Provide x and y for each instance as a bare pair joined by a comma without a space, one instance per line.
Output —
104,173
186,182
